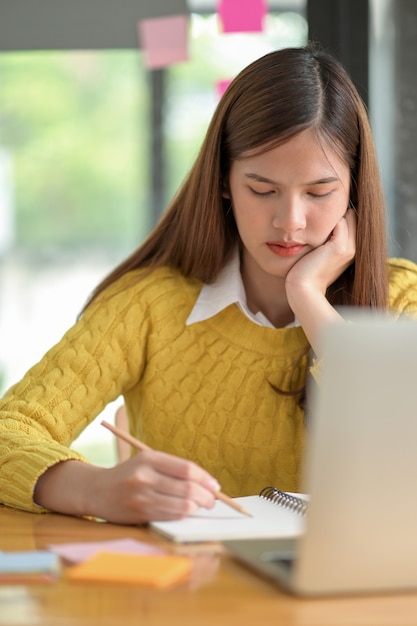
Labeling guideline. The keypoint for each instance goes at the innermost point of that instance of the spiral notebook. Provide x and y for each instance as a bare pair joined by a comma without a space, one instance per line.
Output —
361,469
274,514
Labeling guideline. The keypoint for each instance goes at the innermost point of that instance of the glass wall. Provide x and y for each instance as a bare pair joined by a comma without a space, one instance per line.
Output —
75,168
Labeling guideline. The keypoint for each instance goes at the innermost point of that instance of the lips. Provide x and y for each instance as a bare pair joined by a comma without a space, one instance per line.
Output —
286,248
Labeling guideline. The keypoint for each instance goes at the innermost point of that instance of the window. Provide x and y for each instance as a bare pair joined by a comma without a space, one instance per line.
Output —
76,167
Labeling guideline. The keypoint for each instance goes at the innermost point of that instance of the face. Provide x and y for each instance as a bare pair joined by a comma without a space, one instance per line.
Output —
286,202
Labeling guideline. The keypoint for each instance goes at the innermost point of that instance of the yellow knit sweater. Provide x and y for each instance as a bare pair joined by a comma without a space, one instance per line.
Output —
203,391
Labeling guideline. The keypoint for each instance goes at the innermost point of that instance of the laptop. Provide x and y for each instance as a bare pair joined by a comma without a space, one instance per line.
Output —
360,471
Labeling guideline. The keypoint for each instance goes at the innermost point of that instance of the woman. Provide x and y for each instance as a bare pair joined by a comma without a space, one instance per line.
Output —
209,330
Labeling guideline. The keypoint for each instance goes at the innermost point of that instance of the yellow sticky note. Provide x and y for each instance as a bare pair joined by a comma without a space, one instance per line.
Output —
151,570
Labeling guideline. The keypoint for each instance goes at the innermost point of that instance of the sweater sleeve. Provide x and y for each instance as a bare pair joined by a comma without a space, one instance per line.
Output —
402,297
403,287
98,359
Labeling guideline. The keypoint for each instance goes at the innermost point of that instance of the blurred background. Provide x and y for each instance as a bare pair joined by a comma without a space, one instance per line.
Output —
93,143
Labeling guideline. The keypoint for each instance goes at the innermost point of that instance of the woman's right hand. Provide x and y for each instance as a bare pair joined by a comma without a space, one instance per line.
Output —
147,487
153,485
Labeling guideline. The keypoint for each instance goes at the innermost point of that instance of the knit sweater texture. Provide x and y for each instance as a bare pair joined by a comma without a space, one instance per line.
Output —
206,392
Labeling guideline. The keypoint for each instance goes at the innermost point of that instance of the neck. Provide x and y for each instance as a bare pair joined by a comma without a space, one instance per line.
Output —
268,295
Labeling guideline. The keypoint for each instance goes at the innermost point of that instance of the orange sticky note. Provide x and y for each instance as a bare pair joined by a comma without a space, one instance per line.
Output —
150,570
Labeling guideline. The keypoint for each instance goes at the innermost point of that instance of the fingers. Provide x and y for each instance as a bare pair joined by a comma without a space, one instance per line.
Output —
181,469
172,477
157,486
343,239
150,505
351,221
318,269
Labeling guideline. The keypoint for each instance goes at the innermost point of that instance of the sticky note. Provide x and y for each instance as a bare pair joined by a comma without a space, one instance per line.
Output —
154,571
27,566
242,16
80,551
164,40
221,87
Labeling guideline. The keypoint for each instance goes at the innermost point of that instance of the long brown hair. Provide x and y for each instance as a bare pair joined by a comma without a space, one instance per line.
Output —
270,101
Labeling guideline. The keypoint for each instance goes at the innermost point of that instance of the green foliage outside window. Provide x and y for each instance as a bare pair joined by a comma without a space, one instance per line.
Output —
76,126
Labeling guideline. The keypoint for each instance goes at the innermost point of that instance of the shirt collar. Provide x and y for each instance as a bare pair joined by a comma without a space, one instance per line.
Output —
227,289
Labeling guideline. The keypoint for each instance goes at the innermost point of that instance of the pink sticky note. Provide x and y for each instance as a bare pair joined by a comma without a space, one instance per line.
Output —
78,552
164,40
221,87
242,16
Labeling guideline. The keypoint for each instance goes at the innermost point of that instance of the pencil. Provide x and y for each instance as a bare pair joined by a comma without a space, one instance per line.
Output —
139,445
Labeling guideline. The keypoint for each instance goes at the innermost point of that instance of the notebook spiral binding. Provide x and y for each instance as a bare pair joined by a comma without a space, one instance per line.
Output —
284,499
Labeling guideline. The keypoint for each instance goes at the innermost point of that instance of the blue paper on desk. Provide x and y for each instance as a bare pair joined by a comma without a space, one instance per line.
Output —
35,563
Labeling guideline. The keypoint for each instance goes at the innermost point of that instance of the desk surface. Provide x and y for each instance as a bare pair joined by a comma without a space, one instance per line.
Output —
219,592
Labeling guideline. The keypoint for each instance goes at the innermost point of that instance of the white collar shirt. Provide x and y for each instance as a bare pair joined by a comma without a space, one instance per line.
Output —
227,289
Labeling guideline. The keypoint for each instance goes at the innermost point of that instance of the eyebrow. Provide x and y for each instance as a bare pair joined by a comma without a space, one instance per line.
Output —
320,181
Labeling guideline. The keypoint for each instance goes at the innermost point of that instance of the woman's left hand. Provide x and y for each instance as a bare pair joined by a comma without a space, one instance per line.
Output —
307,281
322,266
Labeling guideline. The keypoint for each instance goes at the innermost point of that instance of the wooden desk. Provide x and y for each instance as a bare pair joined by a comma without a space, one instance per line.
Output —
220,592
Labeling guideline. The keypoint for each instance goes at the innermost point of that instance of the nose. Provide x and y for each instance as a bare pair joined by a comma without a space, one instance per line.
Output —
289,214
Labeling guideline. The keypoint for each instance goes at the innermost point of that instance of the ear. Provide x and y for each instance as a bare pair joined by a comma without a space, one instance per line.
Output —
225,190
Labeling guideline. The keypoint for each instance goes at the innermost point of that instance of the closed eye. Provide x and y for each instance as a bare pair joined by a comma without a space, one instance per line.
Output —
319,195
262,193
